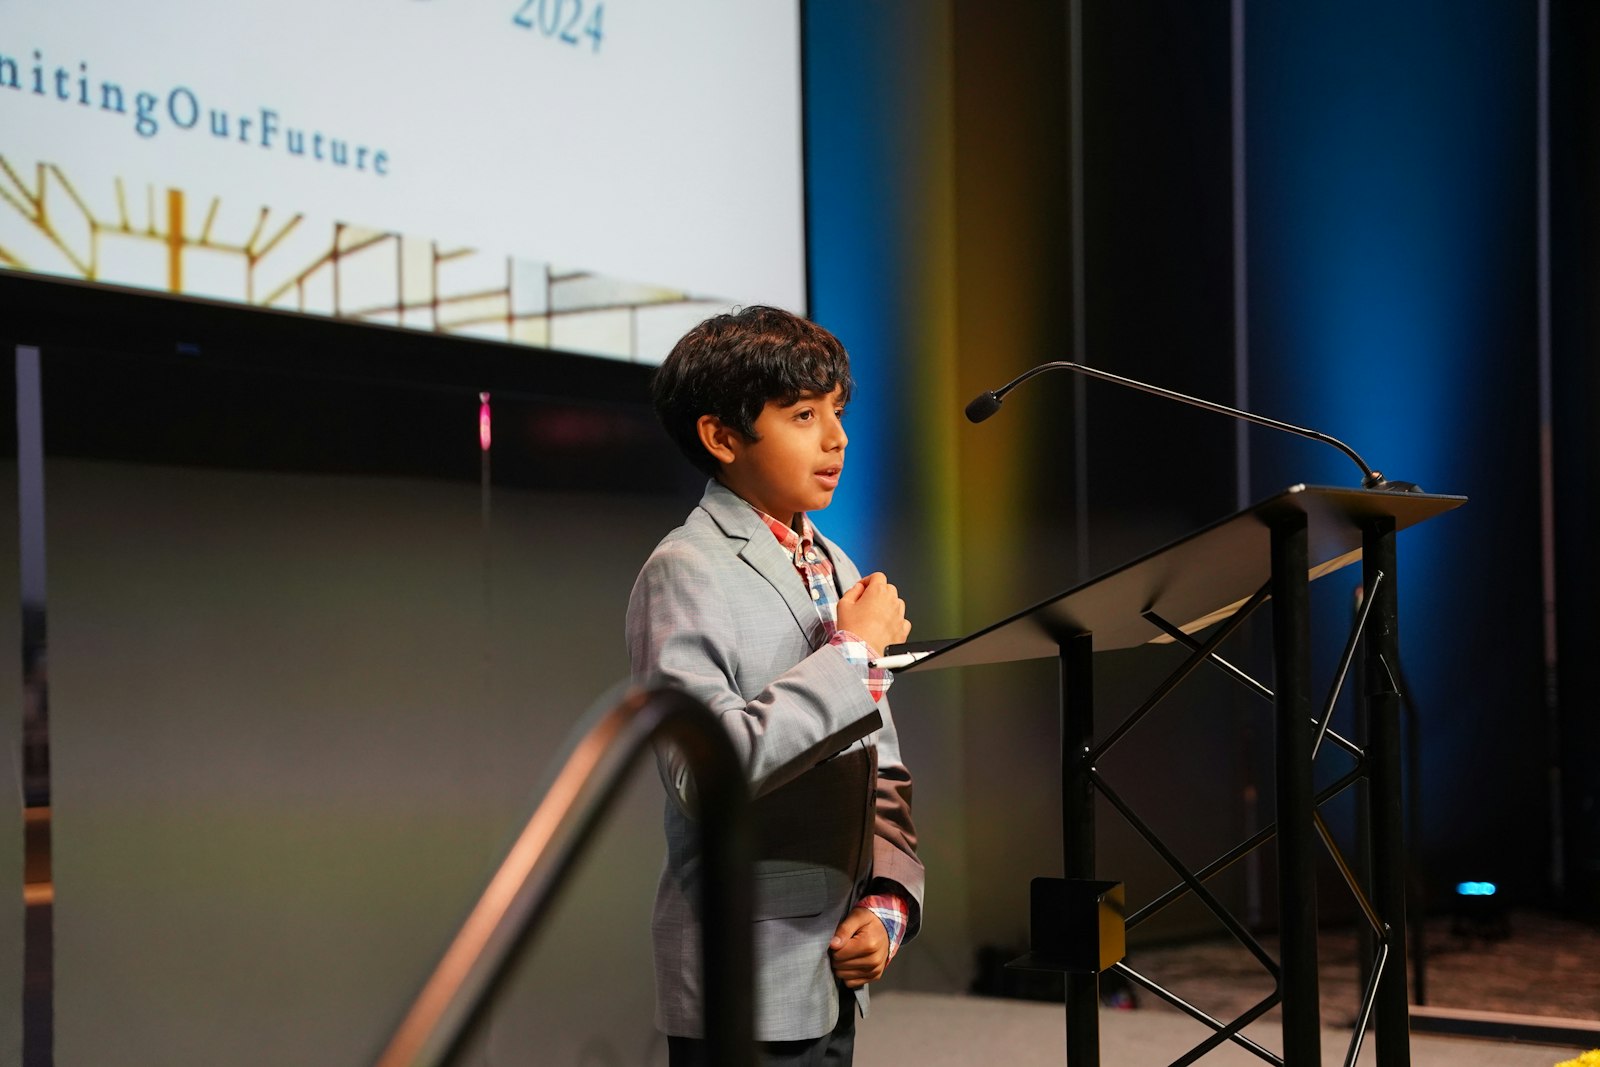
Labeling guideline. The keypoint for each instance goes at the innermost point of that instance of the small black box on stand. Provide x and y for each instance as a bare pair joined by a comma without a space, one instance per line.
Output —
1076,926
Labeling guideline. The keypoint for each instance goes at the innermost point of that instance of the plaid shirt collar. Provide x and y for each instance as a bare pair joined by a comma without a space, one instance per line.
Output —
800,545
812,567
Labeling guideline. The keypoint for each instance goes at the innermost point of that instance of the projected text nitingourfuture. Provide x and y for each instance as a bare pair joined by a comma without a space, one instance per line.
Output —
181,108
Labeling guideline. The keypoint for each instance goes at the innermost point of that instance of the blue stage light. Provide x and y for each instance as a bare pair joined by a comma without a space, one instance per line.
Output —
1475,889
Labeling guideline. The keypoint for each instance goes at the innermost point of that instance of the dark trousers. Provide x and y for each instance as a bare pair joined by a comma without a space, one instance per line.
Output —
835,1049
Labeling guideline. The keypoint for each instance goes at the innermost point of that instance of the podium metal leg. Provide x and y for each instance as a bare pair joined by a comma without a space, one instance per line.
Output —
1077,830
1391,1013
1297,841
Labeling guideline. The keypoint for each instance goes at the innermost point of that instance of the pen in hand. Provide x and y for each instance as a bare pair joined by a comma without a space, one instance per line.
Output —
899,662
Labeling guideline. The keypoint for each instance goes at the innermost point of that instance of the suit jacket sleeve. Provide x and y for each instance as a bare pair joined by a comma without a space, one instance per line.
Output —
707,626
894,842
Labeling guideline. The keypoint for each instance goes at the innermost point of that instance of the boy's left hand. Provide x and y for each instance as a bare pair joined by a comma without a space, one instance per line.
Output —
860,949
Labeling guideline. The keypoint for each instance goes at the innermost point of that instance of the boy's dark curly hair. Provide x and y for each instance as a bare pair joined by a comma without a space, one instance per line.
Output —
732,365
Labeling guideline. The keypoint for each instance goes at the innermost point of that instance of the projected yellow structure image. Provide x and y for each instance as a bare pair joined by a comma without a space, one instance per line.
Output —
170,240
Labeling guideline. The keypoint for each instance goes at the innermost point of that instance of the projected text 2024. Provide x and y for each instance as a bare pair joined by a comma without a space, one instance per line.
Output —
571,22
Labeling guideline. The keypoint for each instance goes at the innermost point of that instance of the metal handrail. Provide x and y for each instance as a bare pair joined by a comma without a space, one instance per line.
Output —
544,853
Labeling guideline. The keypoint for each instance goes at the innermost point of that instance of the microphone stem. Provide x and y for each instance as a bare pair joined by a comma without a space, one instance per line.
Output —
1220,409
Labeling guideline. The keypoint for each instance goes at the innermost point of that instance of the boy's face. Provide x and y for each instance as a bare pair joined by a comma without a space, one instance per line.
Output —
795,463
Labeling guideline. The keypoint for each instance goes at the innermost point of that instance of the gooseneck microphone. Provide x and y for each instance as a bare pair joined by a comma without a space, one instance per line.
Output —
987,403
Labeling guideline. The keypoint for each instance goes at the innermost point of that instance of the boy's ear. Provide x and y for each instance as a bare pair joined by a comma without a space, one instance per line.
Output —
718,438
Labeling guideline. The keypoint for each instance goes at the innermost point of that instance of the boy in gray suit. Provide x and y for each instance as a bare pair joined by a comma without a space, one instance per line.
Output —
750,609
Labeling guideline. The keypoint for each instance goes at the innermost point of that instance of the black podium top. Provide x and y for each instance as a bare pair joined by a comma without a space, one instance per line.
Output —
1194,581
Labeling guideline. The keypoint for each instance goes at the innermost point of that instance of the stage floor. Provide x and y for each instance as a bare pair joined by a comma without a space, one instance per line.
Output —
934,1030
1545,966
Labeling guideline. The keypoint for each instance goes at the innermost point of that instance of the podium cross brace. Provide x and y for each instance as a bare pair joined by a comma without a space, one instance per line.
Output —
1188,641
1184,669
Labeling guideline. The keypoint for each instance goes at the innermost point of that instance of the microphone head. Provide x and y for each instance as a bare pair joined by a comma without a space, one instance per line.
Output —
1377,481
983,405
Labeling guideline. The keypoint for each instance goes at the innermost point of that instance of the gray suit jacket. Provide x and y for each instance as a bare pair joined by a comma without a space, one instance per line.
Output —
720,611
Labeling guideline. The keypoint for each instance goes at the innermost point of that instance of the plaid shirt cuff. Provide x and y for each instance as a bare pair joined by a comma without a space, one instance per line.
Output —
893,911
858,653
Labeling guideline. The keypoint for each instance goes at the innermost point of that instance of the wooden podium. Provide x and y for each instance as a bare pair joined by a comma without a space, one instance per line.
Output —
1216,577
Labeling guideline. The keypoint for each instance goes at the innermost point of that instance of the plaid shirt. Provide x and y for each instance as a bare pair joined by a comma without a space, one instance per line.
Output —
816,570
885,899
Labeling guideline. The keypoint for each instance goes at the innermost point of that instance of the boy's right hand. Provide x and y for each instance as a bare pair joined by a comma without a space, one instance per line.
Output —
873,611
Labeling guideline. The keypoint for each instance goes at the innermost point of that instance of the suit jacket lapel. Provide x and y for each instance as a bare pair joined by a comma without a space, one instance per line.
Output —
762,552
